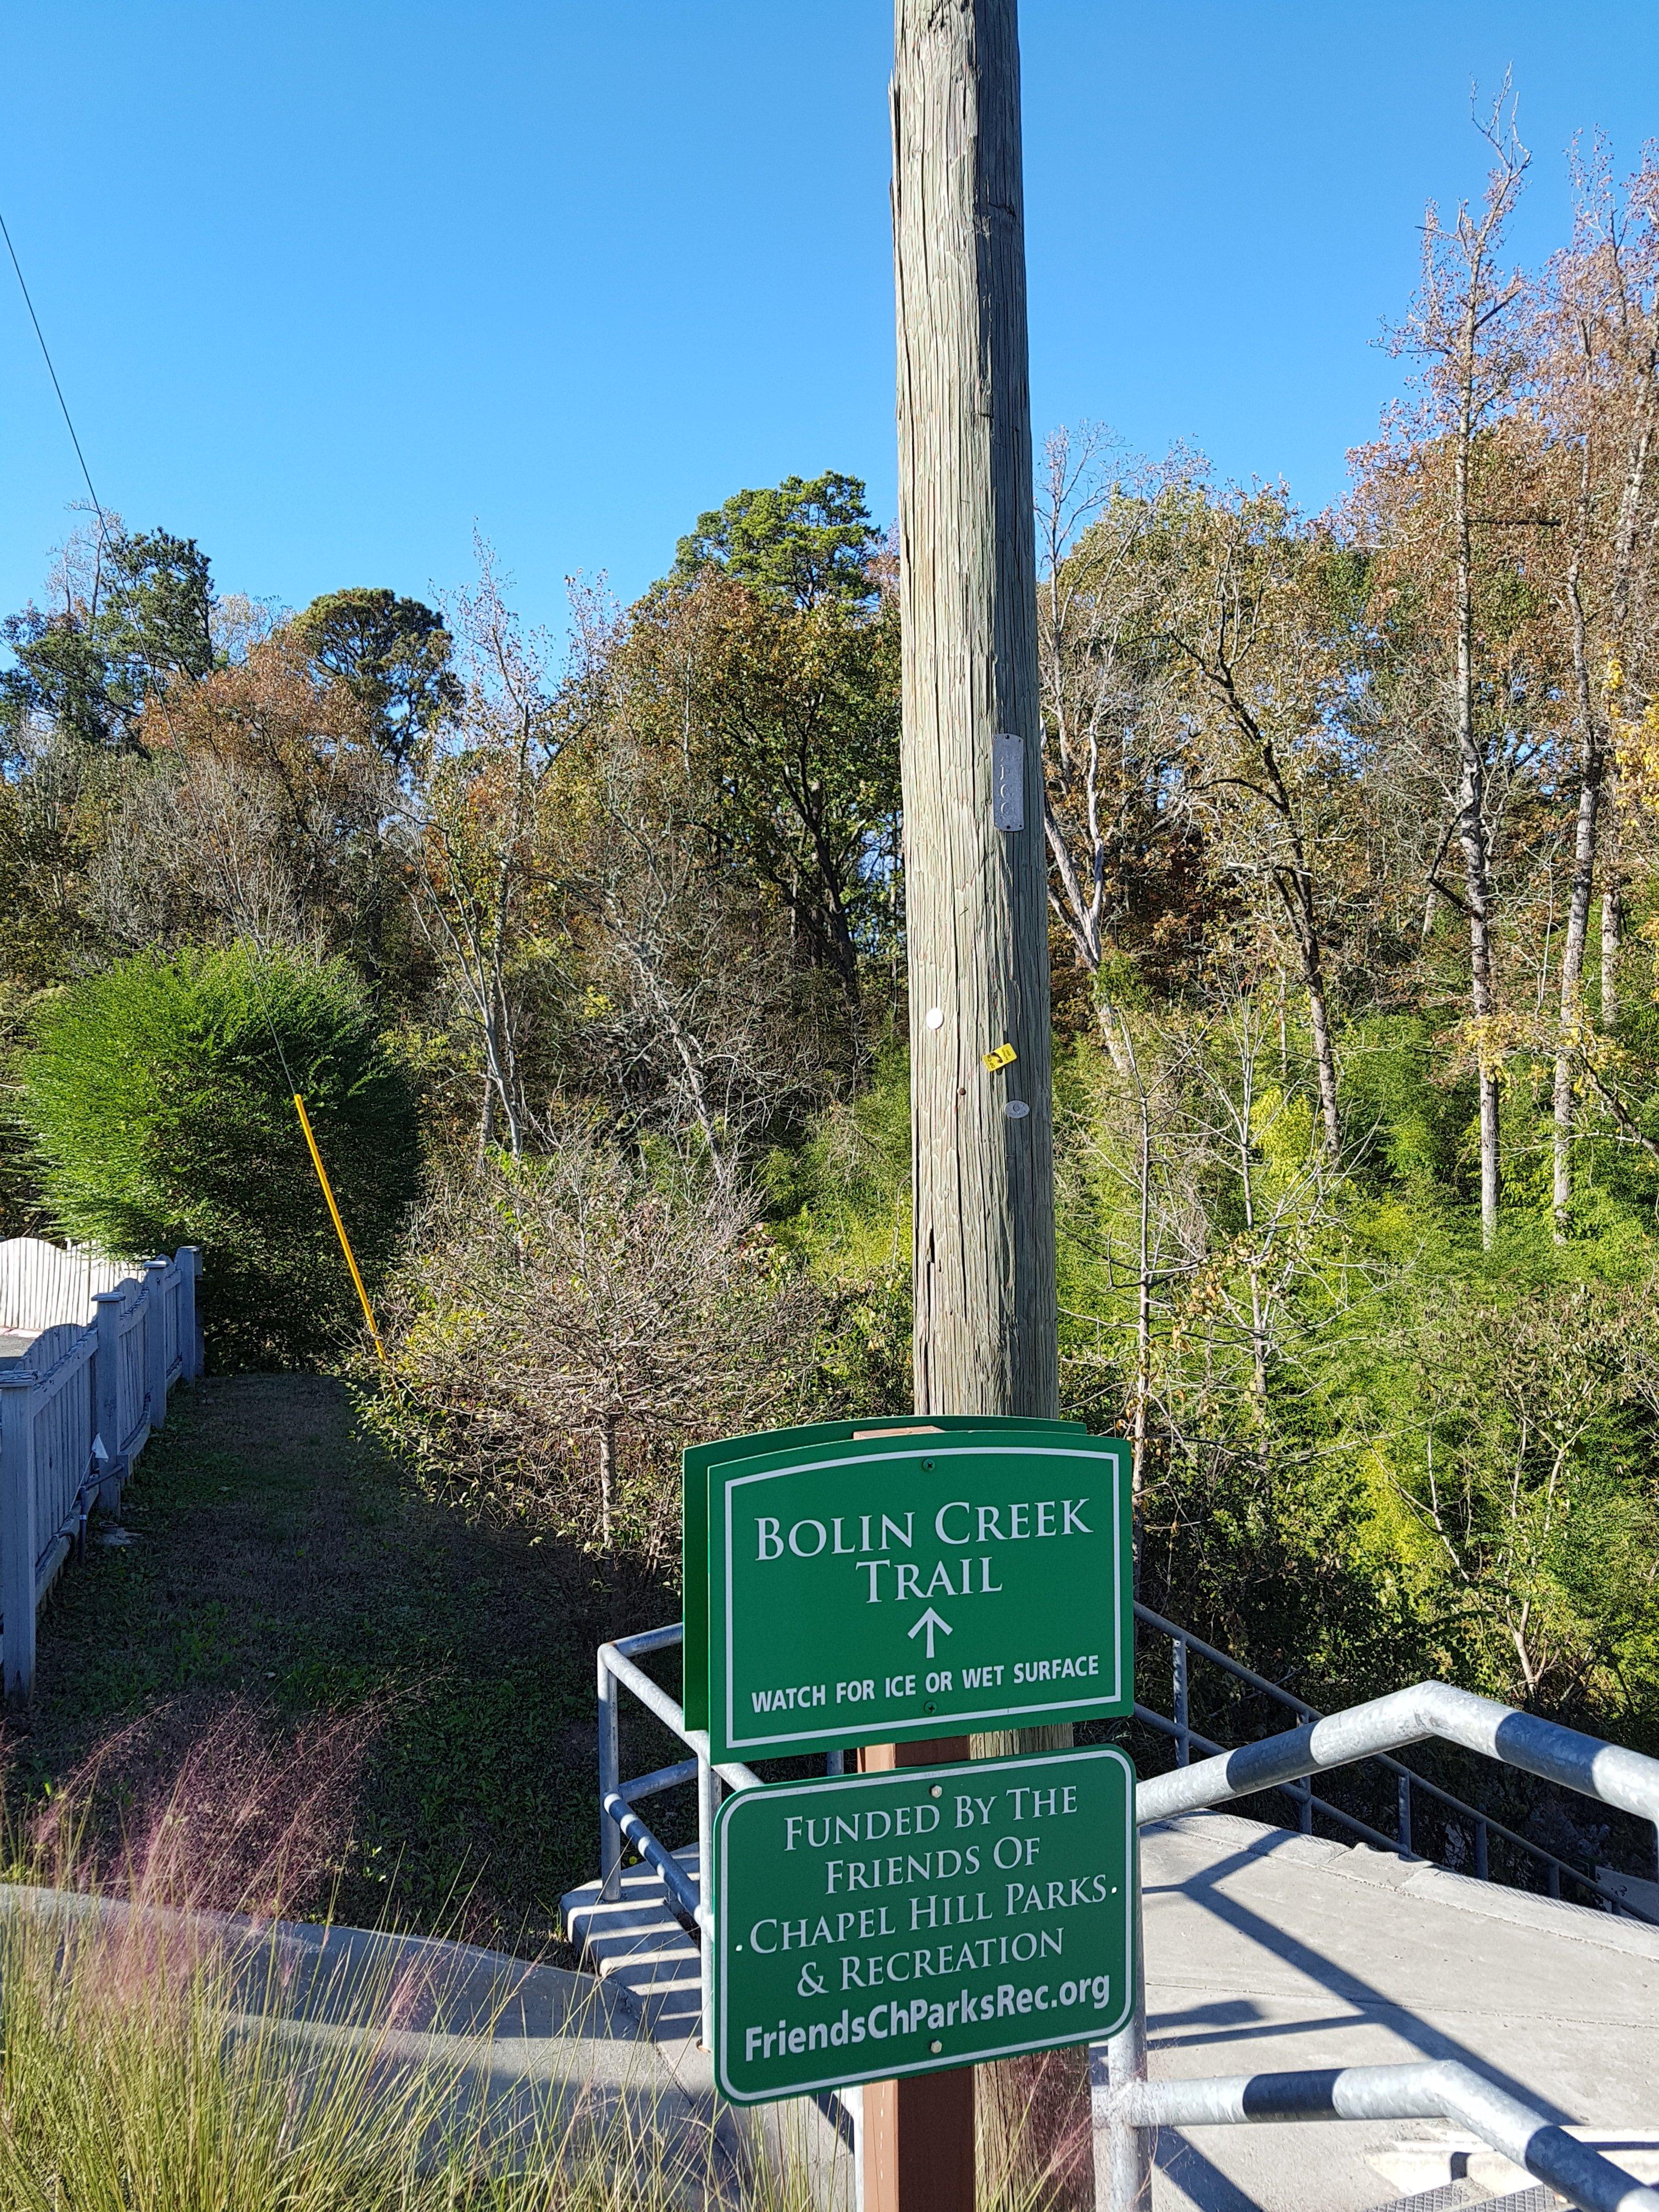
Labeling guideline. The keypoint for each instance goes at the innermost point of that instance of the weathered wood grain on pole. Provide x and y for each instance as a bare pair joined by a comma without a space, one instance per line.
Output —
976,916
975,892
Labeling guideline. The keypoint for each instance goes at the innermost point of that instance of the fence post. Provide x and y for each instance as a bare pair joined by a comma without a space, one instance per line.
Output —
609,1767
107,1309
156,1344
189,1258
1404,1828
18,1545
1182,1717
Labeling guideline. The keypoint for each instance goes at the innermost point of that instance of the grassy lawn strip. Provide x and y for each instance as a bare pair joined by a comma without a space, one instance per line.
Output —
283,1565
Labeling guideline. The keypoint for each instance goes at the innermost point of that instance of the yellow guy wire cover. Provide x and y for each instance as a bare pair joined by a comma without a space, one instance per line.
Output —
339,1225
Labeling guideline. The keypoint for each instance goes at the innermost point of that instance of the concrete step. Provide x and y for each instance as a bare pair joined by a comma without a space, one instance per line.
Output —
1467,2196
1459,2160
636,1948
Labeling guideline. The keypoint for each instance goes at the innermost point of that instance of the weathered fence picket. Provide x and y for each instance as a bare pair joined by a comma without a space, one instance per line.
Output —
99,1349
41,1283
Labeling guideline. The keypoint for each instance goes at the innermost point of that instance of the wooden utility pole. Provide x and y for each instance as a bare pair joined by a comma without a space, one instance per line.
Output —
975,892
976,888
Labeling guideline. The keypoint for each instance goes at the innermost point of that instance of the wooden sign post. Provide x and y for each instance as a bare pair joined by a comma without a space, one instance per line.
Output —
985,1332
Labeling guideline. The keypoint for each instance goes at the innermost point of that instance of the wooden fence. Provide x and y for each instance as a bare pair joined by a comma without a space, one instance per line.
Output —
41,1283
77,1405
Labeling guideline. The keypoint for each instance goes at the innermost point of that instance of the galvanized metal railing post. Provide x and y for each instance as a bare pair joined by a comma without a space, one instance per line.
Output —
1481,1873
1183,1718
1405,1827
708,1798
189,1261
610,1841
1123,2149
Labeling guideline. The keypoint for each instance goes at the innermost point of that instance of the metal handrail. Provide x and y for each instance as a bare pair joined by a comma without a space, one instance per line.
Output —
1130,2106
1308,1803
620,1823
1583,1764
1441,2089
1406,1781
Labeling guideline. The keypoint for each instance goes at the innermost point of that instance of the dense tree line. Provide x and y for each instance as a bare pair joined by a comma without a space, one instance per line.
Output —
1351,825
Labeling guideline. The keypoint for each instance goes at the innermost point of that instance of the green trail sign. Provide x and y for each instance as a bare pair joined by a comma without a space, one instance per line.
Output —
697,1460
937,1917
901,1587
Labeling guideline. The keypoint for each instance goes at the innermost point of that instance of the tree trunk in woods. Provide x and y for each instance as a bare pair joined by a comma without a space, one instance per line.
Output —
607,1476
1298,897
975,885
1613,911
1584,865
1626,534
1472,788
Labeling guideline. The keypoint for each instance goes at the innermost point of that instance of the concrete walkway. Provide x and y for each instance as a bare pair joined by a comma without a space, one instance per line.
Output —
516,2060
1267,1950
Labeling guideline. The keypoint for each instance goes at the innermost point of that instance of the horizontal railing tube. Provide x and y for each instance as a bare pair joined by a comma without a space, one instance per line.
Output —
1351,1821
1581,1762
1150,1620
1441,2090
663,1778
649,1639
657,1701
676,1880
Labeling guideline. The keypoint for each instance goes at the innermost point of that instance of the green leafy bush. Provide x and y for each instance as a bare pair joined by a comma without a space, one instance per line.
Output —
159,1099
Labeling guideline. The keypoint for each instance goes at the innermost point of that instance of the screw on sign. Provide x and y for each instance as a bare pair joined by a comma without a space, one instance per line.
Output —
939,1917
899,1588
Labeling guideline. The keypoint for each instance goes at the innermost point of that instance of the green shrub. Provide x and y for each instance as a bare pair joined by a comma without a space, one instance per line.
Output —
159,1099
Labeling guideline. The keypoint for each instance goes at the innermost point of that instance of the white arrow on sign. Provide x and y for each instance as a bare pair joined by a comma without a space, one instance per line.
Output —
930,1620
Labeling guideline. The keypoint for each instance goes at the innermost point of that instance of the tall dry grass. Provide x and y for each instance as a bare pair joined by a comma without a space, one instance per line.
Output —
171,2040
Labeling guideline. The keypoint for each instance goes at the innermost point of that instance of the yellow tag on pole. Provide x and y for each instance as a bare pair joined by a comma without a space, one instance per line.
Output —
1004,1056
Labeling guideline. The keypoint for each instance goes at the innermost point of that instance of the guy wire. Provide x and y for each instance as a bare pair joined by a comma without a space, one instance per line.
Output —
46,356
243,916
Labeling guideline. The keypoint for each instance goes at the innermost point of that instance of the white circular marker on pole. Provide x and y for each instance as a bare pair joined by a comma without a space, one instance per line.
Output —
936,1018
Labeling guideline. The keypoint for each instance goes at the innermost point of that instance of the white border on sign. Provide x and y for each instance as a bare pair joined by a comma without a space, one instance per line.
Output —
936,1450
885,2070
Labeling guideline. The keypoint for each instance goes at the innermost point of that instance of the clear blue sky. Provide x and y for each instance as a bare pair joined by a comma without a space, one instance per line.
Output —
326,284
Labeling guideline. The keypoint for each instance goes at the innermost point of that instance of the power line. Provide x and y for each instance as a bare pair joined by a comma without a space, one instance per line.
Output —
46,355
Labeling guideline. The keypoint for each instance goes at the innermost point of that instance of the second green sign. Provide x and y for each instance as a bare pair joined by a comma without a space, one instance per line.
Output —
939,1916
